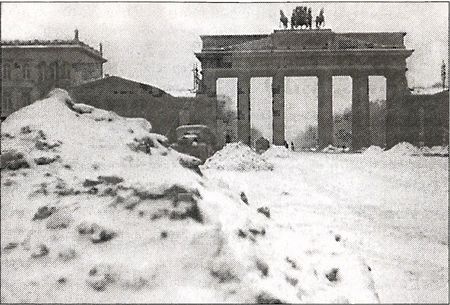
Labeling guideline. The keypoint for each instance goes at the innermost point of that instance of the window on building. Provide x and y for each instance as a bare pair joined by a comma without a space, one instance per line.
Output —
67,69
53,71
6,71
61,72
42,71
26,71
64,71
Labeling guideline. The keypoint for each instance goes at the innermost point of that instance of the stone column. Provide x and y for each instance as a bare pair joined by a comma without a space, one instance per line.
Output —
360,112
208,92
278,109
243,104
325,113
208,84
396,89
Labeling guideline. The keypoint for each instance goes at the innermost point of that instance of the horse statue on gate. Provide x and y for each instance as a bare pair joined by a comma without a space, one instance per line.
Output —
301,16
283,19
309,19
320,20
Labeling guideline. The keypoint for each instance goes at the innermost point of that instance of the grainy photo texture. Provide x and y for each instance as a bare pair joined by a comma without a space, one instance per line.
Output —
224,152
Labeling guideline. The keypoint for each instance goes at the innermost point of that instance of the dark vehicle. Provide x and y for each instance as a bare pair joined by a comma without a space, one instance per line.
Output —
195,140
261,145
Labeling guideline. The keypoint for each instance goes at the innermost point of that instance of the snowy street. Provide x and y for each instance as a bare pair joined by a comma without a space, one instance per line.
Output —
272,227
391,210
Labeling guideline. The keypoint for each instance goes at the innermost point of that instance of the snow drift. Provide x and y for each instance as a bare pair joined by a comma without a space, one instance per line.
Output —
373,150
277,152
403,149
441,151
237,156
407,149
335,150
96,208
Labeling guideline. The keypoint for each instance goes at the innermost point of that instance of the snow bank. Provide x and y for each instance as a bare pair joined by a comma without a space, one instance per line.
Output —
373,151
434,151
237,156
95,208
403,149
335,150
407,149
275,151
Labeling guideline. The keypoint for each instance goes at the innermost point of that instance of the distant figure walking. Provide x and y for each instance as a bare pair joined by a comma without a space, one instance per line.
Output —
292,146
227,138
286,145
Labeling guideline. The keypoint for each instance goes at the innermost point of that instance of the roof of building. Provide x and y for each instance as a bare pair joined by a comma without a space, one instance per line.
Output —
113,78
56,43
300,40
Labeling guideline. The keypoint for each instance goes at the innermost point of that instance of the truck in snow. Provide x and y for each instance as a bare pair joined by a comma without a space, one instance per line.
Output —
195,140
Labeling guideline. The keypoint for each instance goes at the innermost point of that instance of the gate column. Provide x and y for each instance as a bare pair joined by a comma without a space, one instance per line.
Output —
396,89
325,111
208,84
360,112
208,92
278,109
243,104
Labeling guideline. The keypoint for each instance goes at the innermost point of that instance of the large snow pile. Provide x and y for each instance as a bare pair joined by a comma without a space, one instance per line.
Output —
275,151
403,149
95,208
237,156
373,150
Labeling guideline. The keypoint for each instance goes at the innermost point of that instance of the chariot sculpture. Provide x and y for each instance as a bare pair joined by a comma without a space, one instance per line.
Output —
302,17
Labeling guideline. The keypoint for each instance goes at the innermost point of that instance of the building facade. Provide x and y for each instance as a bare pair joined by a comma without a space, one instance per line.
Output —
30,69
425,119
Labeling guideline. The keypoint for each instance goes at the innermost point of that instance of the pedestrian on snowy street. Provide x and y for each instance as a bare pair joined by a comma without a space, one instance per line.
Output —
286,144
292,146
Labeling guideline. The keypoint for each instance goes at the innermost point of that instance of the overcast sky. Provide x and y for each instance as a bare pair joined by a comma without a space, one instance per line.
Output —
155,43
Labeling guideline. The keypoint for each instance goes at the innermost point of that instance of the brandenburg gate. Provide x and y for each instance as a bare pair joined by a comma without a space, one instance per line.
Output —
321,53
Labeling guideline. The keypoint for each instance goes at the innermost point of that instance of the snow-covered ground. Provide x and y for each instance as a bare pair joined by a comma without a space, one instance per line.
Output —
96,208
389,208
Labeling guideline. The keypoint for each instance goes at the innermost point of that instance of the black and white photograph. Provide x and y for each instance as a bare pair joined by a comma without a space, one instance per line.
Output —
224,152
